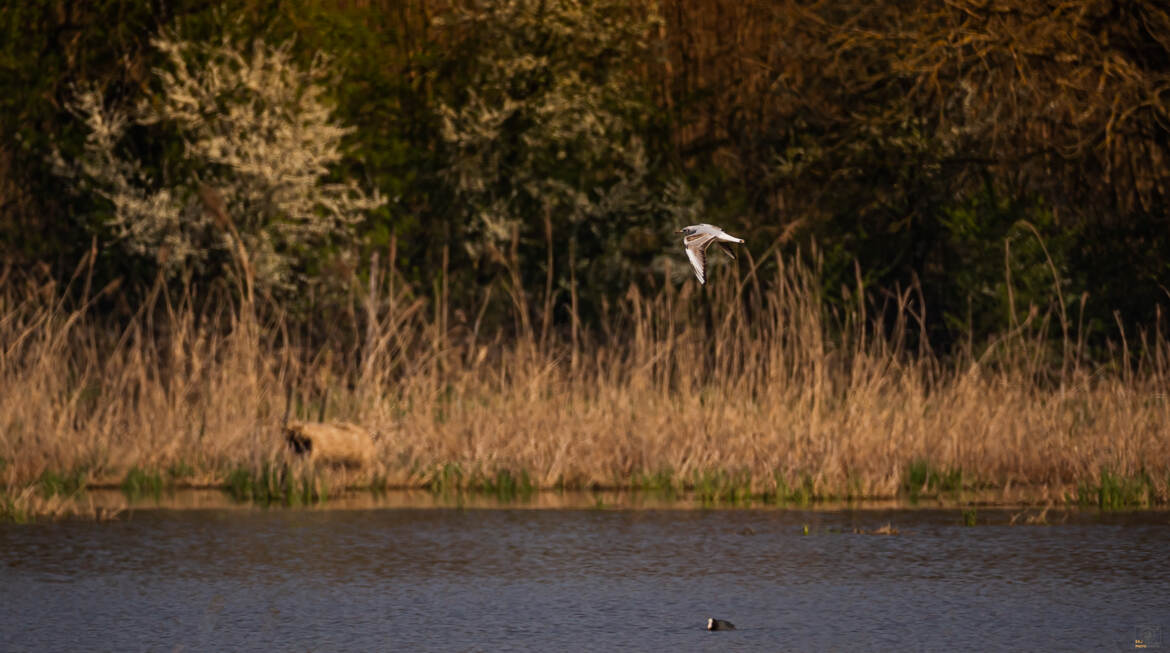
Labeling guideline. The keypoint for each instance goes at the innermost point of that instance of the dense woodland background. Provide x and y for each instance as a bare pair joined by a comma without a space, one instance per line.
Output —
987,162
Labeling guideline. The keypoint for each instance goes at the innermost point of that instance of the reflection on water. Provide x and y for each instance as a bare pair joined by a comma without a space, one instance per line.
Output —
582,579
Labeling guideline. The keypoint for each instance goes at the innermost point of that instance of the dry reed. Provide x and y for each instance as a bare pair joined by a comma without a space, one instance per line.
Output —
748,381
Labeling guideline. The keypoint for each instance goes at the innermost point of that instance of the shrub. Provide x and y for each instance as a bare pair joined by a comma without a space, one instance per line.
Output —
550,127
227,164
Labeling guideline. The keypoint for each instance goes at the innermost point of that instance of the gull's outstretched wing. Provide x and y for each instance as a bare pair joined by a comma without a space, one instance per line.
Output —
727,250
696,246
699,262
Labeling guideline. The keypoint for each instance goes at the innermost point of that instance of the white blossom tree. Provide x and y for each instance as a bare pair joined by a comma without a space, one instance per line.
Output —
250,185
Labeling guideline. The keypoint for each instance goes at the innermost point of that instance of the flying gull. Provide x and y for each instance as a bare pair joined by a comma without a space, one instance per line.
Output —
697,238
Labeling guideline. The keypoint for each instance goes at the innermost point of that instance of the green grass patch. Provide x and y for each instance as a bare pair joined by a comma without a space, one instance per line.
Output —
446,479
720,486
802,493
450,480
139,484
52,483
378,485
507,486
923,479
276,485
660,484
142,483
179,471
970,516
9,512
1116,492
853,491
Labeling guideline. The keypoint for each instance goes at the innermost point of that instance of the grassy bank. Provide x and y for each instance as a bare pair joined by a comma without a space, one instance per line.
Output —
747,390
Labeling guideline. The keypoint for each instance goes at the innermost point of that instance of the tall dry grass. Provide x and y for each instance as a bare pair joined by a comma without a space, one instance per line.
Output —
757,381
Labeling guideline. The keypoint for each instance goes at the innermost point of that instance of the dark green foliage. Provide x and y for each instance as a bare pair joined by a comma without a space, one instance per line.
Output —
976,183
999,259
543,144
386,92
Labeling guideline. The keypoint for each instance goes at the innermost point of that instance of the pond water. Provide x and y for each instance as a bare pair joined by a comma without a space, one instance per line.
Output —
447,579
